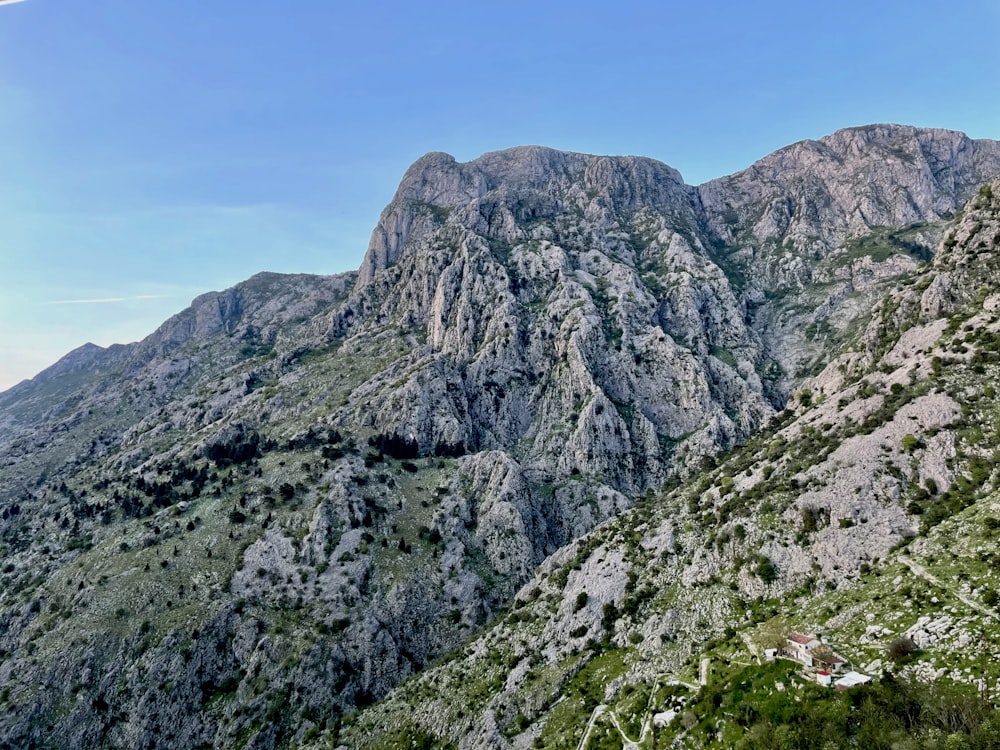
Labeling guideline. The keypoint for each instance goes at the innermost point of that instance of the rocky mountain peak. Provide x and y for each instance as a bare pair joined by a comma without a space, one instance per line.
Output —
531,182
810,197
79,358
863,139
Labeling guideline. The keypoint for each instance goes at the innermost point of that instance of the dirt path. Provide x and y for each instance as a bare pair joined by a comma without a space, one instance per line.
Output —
922,572
628,742
594,716
751,646
647,725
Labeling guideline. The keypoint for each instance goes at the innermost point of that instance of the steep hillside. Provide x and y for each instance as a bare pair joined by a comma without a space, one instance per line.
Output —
303,490
867,511
816,225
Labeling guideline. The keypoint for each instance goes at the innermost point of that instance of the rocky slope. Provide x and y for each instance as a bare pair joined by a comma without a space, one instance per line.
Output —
821,222
302,490
868,511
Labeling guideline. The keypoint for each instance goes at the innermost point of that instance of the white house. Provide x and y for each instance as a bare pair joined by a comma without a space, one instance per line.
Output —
798,646
812,653
851,679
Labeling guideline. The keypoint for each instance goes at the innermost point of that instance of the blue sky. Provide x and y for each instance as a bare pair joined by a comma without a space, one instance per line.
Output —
150,151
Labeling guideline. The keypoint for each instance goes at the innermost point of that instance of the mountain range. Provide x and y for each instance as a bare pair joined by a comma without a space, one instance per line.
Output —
572,424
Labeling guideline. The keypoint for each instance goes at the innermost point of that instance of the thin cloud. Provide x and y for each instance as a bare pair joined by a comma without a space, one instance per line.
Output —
10,2
102,300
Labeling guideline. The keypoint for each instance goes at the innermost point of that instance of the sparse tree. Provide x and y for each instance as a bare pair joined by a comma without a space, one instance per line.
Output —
773,633
900,648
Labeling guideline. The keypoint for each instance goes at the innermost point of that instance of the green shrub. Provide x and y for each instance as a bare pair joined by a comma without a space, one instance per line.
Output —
765,569
901,648
609,616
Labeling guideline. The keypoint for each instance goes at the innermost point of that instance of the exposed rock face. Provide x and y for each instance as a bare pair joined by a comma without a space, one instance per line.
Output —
893,442
794,222
813,195
531,272
516,263
300,491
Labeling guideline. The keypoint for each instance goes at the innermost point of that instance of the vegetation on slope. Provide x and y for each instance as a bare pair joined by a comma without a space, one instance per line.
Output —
868,511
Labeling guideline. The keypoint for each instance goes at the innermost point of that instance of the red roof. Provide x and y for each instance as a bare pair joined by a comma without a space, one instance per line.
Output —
801,639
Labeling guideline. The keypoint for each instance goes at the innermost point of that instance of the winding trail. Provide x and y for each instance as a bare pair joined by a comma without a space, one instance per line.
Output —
647,725
627,742
594,716
922,572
